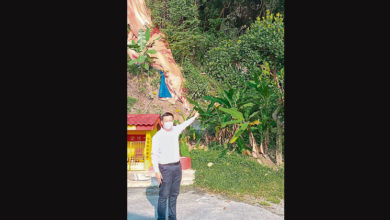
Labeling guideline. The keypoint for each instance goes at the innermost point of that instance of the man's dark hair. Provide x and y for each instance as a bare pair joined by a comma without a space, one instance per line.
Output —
166,114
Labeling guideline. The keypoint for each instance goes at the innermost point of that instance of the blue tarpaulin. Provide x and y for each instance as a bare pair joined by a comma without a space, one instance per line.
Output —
164,91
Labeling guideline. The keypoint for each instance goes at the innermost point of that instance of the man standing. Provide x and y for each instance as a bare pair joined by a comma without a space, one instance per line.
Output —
166,163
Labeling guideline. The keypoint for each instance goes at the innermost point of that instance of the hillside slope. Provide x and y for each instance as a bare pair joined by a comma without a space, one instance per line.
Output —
146,92
138,17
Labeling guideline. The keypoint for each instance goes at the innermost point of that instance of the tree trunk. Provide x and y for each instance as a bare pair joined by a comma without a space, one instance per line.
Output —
279,138
266,161
259,156
266,138
253,144
262,149
279,158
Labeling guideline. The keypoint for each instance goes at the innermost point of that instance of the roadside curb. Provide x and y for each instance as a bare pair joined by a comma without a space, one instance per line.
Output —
147,179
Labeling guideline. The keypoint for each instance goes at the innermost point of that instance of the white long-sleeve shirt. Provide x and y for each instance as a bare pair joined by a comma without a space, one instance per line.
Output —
165,145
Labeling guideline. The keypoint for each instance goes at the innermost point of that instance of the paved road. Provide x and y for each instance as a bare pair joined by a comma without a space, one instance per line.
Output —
191,205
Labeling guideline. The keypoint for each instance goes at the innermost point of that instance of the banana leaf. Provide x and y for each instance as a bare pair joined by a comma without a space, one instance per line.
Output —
233,112
253,114
239,132
229,96
223,124
151,51
147,34
247,105
218,100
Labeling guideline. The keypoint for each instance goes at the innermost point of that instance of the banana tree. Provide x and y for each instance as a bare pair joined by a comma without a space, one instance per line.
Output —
236,99
232,98
245,123
238,113
268,86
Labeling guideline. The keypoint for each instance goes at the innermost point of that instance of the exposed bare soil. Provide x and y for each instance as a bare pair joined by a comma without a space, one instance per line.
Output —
146,91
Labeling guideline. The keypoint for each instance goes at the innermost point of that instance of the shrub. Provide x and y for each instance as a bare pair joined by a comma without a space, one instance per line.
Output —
231,62
196,84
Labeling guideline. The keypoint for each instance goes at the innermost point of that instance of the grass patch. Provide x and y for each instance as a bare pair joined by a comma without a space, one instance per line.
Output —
130,102
264,203
156,81
236,176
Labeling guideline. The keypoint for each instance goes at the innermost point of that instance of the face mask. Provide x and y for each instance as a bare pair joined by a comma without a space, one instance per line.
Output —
168,125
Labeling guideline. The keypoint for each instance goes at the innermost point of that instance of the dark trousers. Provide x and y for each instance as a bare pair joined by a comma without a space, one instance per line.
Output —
169,189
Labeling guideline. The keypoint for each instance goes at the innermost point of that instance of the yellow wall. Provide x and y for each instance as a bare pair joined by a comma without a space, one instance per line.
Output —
148,145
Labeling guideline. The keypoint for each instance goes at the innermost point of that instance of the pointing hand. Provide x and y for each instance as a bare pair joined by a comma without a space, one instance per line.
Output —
196,114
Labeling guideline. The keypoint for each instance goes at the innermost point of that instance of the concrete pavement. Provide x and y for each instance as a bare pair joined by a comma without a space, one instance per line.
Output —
191,205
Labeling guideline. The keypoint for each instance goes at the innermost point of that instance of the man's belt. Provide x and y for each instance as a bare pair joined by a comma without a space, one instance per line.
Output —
175,163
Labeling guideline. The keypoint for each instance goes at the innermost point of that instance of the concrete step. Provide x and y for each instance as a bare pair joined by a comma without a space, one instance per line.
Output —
147,178
186,182
153,182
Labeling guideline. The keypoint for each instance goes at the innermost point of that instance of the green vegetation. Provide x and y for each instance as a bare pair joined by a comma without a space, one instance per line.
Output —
240,115
232,62
232,57
203,83
264,203
143,62
130,102
224,39
184,149
236,176
185,137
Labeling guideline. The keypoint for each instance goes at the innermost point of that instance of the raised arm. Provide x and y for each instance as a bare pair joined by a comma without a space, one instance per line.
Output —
180,128
155,156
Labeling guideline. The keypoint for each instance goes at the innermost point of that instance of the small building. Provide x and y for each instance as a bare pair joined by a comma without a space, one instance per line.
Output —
140,130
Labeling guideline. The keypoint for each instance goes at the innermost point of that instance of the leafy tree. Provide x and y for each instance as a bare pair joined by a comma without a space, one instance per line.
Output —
179,21
232,62
142,47
233,17
269,92
197,84
232,54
